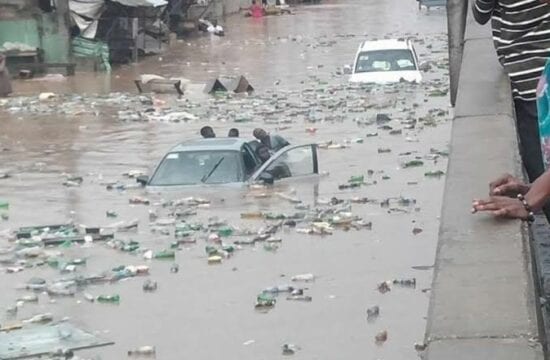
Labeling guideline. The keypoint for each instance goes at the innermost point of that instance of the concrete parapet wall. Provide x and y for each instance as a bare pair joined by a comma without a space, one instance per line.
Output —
483,303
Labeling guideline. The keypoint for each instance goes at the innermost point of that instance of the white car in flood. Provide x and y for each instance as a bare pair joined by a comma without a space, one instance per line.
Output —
385,61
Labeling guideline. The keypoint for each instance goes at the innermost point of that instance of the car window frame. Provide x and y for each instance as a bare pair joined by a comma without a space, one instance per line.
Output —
257,161
254,177
415,57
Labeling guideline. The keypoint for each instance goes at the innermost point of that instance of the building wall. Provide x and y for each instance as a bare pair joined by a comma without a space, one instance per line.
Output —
30,26
20,30
55,39
233,6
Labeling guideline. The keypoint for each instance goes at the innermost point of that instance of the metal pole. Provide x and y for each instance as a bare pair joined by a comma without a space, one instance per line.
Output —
457,11
135,24
63,22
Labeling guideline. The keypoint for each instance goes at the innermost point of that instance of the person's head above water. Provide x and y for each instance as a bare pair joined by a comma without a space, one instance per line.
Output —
259,133
233,132
262,152
207,132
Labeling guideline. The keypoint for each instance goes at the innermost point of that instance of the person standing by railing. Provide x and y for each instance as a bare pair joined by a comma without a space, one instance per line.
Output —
521,33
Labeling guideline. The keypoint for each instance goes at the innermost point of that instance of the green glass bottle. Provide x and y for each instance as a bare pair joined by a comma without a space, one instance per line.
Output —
112,299
356,179
4,209
228,248
53,262
165,254
265,300
225,231
211,250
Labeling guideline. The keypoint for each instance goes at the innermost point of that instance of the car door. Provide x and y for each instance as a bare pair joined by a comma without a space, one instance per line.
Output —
250,161
290,162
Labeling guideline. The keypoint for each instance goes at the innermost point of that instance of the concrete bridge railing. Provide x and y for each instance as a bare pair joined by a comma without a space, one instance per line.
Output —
484,302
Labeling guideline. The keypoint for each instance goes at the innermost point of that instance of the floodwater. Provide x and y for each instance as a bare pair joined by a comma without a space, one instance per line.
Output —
207,311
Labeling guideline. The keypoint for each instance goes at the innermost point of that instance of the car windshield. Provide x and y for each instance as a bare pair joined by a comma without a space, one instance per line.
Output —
385,60
196,167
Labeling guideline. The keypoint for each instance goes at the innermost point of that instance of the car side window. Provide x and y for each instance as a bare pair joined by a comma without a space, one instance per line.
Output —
297,161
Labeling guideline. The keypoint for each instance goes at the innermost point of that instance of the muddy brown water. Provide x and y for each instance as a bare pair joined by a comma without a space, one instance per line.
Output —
204,311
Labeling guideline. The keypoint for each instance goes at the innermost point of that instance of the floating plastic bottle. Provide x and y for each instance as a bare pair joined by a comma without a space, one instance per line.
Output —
165,254
28,298
225,231
4,209
113,299
434,174
304,298
265,300
214,259
405,282
228,248
356,179
304,277
211,250
252,215
412,163
274,216
39,319
279,289
143,351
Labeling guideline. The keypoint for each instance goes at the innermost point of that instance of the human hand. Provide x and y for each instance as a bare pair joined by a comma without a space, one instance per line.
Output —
507,185
502,207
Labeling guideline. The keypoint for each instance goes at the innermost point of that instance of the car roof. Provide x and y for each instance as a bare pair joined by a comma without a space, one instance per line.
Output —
226,143
388,44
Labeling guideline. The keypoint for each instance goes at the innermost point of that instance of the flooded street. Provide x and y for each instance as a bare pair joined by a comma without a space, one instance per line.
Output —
98,128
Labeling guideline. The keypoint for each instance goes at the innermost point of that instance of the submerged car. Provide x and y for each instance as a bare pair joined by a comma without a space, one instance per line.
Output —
386,61
219,161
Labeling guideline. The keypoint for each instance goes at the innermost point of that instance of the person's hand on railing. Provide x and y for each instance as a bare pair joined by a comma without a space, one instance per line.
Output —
502,207
508,185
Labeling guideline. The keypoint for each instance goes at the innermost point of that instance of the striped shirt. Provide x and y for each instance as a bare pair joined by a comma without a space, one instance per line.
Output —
521,34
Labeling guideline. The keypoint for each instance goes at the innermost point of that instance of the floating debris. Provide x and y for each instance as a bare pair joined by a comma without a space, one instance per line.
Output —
405,282
417,231
265,300
434,174
304,277
381,337
290,349
304,298
420,346
384,287
412,163
150,286
143,351
373,312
